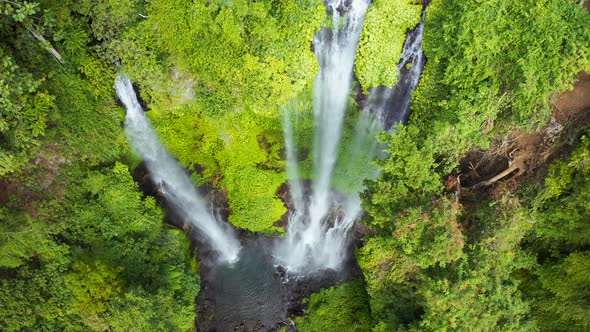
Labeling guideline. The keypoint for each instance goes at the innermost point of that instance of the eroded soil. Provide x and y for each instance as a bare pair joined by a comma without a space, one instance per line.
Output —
525,156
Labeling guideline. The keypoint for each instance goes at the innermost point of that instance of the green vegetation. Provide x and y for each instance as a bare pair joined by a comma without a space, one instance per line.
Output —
382,40
558,283
495,64
442,261
238,54
238,152
216,73
340,308
97,258
24,114
81,248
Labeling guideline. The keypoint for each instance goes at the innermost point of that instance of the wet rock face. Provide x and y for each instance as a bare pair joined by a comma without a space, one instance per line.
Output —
342,8
392,105
254,294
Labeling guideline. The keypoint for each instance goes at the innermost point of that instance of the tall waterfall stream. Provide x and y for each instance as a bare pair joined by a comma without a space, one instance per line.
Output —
255,284
312,244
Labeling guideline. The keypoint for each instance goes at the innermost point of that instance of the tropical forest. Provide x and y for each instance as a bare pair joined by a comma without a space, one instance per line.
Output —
294,165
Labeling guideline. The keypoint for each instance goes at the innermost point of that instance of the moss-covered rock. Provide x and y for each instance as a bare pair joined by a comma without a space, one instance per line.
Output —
382,40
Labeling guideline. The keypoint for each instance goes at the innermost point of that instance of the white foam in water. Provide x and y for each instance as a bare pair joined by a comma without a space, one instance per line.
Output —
172,180
313,242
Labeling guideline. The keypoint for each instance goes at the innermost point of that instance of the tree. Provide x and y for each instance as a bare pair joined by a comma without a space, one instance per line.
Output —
561,211
558,284
408,178
100,263
23,113
23,13
340,308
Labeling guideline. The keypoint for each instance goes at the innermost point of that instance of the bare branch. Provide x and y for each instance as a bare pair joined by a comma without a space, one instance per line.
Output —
44,41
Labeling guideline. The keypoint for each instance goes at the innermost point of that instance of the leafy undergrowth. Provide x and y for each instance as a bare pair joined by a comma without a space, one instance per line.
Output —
382,40
238,152
233,69
462,259
340,308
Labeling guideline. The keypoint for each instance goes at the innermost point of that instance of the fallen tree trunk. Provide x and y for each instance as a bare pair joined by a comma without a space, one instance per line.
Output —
46,44
517,164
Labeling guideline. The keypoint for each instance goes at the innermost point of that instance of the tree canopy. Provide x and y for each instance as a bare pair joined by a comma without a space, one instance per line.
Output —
83,248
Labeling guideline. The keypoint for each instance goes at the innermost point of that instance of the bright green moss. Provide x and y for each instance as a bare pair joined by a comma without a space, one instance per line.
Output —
382,40
340,308
237,152
232,66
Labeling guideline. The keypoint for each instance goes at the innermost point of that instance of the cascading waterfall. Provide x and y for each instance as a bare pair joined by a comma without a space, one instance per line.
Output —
320,224
171,179
391,105
335,50
295,187
313,242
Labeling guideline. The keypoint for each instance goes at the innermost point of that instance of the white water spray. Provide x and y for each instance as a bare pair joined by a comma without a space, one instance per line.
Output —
313,242
295,188
335,50
171,179
391,105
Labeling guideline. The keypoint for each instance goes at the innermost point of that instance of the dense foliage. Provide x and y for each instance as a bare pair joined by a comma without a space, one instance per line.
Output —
493,65
382,39
81,248
97,258
340,308
558,283
233,65
439,261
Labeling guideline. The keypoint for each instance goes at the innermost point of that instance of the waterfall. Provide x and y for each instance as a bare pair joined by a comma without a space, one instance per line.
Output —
316,239
171,179
295,187
335,50
392,105
320,224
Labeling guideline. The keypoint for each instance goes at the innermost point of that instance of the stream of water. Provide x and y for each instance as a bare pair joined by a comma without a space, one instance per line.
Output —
255,291
392,105
316,238
172,180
